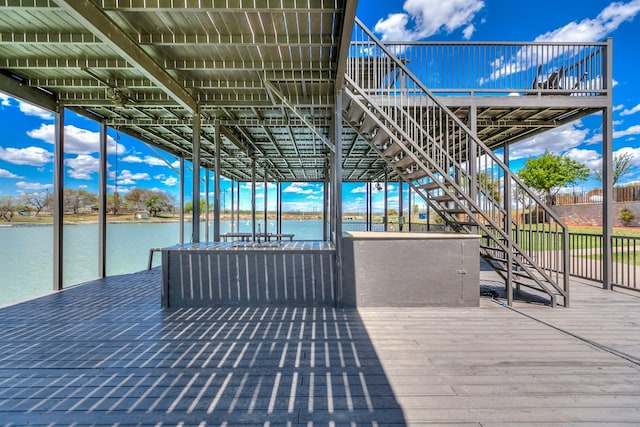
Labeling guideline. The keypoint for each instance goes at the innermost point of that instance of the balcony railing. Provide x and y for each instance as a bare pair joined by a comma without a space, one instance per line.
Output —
497,68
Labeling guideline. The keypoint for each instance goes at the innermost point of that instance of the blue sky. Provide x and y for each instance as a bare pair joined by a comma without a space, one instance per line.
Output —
26,149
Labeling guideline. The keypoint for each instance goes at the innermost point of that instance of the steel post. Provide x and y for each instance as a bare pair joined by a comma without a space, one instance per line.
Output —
102,202
58,201
195,152
216,182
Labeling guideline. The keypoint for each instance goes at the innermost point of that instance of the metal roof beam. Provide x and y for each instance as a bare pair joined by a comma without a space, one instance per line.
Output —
235,40
276,93
48,38
345,40
94,19
277,6
33,95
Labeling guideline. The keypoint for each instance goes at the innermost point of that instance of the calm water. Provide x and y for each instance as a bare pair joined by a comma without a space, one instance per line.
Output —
26,252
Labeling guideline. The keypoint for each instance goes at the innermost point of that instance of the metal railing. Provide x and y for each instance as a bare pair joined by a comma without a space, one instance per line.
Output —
445,151
586,255
491,68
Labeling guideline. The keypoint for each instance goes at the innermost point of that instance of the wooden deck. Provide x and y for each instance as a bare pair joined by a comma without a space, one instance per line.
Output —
104,353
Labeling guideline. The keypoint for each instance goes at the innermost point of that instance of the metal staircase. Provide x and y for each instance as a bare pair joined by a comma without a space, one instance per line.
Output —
462,180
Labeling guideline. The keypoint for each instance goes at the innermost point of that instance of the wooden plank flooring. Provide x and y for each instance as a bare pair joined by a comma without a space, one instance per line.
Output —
104,353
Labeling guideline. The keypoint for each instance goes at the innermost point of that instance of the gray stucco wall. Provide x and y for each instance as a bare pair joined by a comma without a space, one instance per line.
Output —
411,270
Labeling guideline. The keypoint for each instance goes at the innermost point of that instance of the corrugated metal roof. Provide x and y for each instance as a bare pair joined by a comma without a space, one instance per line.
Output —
217,53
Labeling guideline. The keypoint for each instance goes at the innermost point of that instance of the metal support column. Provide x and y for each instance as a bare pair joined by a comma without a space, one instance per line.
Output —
325,205
367,206
473,151
216,182
386,201
238,211
607,173
102,202
410,206
337,193
232,206
279,208
206,205
58,201
400,204
181,211
253,200
266,206
508,226
195,220
607,197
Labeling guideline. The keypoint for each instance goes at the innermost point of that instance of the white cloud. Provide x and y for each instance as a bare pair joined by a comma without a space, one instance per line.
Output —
629,111
618,107
33,185
299,206
557,141
154,161
32,156
128,178
358,190
5,100
587,30
171,181
590,158
428,17
6,174
634,152
82,166
632,130
121,190
299,188
32,110
76,140
131,159
150,160
468,31
259,186
591,30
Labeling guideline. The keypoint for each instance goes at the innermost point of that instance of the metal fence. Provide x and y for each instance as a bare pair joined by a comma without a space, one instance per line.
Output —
629,193
504,67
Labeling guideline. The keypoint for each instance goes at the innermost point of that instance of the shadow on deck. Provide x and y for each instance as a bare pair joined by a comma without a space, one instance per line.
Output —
105,353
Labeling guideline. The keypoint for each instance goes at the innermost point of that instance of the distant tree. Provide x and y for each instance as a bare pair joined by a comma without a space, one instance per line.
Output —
188,207
626,217
621,165
548,173
489,184
8,208
136,197
114,201
76,199
157,202
38,201
416,209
